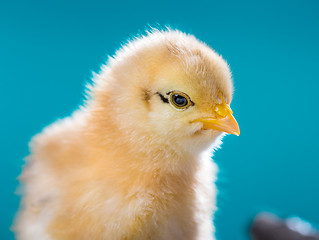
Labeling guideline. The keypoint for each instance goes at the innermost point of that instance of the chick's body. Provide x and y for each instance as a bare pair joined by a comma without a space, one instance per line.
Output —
130,165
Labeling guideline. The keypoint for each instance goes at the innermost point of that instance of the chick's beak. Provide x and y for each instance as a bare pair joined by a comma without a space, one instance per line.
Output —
222,121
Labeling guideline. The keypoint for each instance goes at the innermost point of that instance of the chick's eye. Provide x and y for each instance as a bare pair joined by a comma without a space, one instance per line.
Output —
179,100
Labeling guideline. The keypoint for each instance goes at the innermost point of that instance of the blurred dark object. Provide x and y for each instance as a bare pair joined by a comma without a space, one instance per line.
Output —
267,226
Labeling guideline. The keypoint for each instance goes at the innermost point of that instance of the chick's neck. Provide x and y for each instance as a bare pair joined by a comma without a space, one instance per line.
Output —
141,161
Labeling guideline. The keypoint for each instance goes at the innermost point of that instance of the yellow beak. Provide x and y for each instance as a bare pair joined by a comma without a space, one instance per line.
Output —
224,120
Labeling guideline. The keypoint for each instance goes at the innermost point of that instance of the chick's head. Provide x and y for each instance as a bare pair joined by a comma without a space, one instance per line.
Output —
171,88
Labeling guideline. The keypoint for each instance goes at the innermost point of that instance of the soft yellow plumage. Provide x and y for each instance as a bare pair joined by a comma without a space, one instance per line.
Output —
134,161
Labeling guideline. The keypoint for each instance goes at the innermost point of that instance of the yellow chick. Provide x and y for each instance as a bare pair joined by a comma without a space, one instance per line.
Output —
135,161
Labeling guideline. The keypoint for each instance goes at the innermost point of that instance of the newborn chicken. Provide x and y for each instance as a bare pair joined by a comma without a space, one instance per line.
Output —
134,161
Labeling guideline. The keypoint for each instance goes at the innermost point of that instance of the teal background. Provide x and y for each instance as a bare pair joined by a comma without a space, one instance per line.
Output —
48,50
